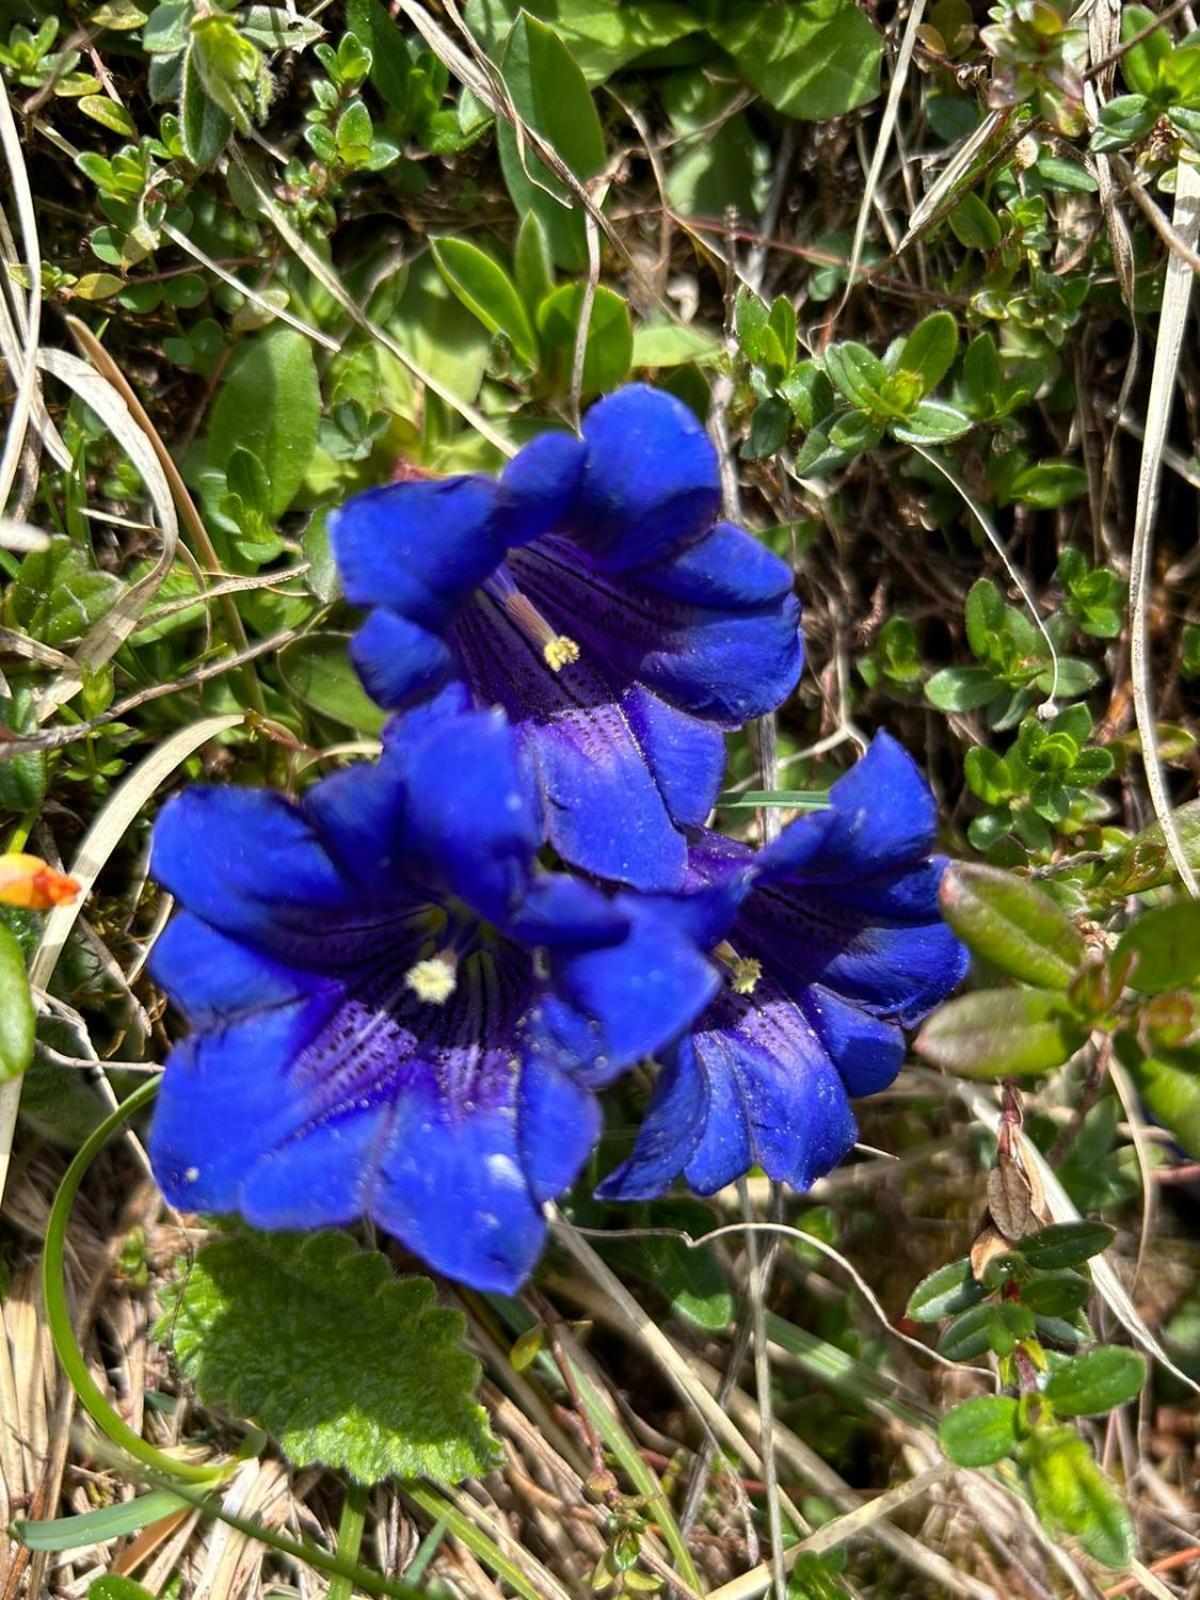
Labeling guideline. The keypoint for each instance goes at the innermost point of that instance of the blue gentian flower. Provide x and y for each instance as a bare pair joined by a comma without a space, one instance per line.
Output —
592,593
832,944
397,1014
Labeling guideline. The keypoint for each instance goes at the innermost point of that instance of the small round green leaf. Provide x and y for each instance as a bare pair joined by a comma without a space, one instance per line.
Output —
1089,1385
980,1431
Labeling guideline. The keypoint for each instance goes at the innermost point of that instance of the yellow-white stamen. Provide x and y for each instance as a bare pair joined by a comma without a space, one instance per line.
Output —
559,650
433,980
744,971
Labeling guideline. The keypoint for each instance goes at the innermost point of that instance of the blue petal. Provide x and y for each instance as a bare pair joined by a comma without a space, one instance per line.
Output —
247,861
472,825
775,1097
603,810
399,661
449,808
867,1052
605,1009
419,548
211,977
686,756
560,912
706,648
452,1189
670,1132
541,485
558,1123
881,816
650,483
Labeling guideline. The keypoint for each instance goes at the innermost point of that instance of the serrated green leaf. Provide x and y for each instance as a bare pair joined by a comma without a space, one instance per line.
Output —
1012,924
944,1293
1001,1033
1089,1385
341,1361
270,403
980,1431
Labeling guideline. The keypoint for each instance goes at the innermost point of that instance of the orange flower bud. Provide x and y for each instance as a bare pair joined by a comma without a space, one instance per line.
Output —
28,882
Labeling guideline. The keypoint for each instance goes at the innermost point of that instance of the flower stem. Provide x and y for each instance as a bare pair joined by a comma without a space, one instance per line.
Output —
349,1538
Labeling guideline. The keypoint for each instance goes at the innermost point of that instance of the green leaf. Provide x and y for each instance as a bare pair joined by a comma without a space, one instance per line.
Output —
1066,1244
270,403
1071,1495
601,36
1166,943
391,64
988,775
980,1431
108,114
973,1333
811,59
930,349
1001,1033
1049,484
961,688
18,1023
1056,1294
944,1293
96,1527
984,616
1169,1084
341,1361
58,593
318,670
114,1587
857,374
485,288
973,225
1142,63
1090,1385
609,350
550,94
532,265
1012,924
1145,862
673,344
932,422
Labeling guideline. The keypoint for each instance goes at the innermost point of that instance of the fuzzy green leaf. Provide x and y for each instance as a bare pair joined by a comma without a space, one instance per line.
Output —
1012,924
1001,1033
343,1362
980,1431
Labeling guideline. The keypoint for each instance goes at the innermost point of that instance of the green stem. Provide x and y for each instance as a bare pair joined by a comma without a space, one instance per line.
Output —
349,1539
475,1539
54,1293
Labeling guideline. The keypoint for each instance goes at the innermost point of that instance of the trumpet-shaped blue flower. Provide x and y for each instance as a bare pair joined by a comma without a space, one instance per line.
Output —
592,593
832,943
396,1014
